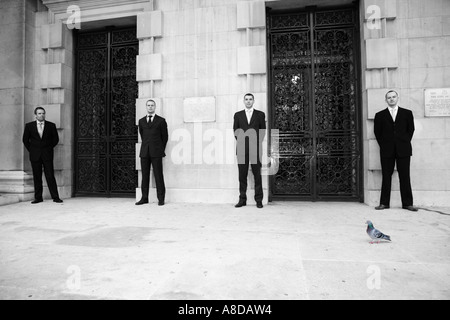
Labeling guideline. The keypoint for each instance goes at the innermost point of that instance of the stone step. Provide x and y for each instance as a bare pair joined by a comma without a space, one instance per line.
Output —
6,199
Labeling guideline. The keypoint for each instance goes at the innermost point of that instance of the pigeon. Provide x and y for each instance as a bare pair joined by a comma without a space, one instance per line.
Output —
375,234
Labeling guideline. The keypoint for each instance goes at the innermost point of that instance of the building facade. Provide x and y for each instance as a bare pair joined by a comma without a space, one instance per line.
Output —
318,69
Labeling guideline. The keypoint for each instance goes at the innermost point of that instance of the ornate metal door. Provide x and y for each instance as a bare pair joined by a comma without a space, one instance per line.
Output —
105,125
315,104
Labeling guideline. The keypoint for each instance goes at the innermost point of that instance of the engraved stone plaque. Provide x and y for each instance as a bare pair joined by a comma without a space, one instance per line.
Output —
199,109
437,102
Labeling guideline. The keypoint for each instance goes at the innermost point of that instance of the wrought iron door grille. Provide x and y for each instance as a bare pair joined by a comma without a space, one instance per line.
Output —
315,104
105,131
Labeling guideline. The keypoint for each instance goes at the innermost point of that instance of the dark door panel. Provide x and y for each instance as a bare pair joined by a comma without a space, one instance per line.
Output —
315,104
105,131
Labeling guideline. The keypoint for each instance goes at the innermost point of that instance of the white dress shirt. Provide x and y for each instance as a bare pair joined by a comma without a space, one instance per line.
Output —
249,113
393,112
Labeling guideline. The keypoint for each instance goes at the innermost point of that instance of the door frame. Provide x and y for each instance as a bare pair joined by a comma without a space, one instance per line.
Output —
109,29
358,96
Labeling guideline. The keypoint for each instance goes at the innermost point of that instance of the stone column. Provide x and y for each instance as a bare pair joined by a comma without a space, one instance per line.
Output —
16,95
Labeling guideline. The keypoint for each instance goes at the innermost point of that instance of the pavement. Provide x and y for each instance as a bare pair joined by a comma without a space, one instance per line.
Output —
109,249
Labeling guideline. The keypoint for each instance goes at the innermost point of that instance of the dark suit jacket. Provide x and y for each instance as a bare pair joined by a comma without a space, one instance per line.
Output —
250,133
38,147
394,139
154,137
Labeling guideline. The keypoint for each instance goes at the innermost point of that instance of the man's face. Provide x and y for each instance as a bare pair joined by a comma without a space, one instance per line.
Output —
40,115
151,107
248,101
392,99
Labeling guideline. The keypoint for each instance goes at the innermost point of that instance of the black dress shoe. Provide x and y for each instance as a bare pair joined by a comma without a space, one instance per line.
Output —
382,207
259,205
240,204
142,201
411,208
37,201
57,200
160,203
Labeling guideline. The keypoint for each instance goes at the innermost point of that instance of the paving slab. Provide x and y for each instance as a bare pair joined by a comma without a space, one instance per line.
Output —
104,249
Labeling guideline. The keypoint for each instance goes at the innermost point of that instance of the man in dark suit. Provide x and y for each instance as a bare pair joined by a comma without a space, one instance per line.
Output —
394,129
154,135
40,137
249,129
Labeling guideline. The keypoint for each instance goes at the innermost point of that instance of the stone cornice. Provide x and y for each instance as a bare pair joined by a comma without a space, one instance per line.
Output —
95,10
60,6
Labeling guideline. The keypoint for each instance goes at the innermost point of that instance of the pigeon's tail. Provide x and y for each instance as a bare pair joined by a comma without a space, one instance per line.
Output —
385,237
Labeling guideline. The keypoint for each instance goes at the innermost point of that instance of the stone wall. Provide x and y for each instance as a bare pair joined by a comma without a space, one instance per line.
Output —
17,34
208,54
36,71
410,52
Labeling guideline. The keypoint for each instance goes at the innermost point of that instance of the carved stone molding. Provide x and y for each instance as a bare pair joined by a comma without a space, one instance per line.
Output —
93,10
60,6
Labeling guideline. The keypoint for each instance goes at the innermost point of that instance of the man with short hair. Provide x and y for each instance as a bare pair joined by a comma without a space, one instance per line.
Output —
249,130
154,135
394,129
40,137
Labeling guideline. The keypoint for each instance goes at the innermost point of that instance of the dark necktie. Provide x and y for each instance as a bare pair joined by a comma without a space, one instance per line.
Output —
41,129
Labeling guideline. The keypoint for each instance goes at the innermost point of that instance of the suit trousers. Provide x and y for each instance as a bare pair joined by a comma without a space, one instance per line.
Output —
403,169
157,165
49,176
243,174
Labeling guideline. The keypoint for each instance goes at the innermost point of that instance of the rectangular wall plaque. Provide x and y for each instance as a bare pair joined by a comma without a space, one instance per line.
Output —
437,102
199,109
